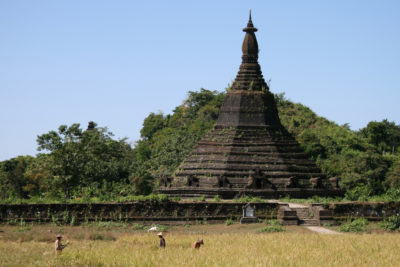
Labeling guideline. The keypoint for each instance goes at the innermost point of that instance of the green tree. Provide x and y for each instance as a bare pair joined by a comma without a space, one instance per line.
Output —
153,123
384,135
166,140
85,158
13,183
393,175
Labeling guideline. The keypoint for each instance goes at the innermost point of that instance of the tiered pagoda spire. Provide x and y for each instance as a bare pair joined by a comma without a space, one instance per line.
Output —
249,76
249,151
244,109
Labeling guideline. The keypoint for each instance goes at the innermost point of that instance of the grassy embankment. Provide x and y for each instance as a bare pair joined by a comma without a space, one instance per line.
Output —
233,245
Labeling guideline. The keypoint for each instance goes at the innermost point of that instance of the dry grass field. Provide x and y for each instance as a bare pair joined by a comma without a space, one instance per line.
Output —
234,245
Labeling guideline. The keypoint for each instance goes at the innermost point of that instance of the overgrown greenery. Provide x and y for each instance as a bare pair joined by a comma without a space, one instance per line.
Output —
392,223
90,165
367,159
229,221
272,227
354,226
166,140
79,164
357,193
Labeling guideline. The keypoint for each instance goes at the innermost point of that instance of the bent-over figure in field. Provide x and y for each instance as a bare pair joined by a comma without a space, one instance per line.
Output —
162,240
58,246
197,244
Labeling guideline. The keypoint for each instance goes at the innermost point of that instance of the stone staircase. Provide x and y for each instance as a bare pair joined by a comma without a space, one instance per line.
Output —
305,217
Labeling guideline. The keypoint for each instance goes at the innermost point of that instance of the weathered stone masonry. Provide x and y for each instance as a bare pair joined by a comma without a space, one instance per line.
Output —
249,152
135,211
170,211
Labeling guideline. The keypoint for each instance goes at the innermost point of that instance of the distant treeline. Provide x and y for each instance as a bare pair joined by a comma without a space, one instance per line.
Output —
90,165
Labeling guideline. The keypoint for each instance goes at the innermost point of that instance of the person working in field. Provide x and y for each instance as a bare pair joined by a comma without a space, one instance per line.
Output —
197,244
162,240
58,246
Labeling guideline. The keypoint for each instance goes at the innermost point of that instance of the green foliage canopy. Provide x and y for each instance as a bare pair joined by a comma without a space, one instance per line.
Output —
80,158
166,140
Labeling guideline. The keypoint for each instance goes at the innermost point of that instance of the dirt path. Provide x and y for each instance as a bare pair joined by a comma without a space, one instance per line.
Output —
322,230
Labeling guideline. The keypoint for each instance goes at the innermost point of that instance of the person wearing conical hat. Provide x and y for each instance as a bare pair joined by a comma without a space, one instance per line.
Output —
57,245
162,240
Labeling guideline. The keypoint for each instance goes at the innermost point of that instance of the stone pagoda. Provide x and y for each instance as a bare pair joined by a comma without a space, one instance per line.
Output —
249,152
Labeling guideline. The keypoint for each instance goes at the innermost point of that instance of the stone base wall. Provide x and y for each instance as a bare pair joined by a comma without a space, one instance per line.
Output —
237,192
136,211
171,211
373,211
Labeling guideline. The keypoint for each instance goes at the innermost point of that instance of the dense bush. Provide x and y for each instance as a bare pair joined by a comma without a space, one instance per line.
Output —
272,226
229,221
354,226
392,223
358,193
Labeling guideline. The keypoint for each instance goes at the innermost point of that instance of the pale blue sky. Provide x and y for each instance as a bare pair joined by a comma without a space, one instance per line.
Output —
114,62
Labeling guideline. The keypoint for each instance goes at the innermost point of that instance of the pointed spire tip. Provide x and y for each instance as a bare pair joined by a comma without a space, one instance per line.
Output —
250,26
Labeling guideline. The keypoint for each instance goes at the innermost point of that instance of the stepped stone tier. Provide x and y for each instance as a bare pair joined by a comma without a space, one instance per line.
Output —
249,152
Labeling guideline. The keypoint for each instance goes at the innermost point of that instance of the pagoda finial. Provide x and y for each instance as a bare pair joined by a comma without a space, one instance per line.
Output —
91,126
250,26
250,46
249,75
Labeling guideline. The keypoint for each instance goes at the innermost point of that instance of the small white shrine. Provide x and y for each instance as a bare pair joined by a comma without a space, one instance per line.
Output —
248,214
